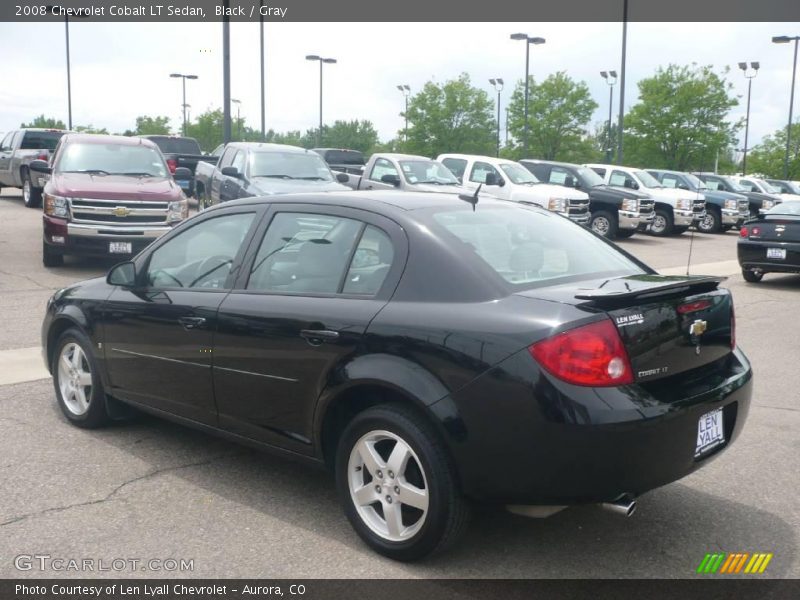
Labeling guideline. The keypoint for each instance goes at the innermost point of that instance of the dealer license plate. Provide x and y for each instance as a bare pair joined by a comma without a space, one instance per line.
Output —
710,433
119,247
779,253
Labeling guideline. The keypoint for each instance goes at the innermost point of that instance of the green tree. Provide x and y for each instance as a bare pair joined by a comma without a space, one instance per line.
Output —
91,129
152,125
680,119
559,110
44,123
354,135
768,157
450,117
207,129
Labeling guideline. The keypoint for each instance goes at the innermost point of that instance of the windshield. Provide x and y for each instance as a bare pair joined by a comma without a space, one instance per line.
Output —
112,159
289,165
791,207
427,171
518,174
734,186
591,177
647,180
695,182
526,246
770,189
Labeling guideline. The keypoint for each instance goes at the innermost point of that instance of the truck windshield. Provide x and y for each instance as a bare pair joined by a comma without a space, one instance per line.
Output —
591,178
112,159
176,145
518,174
289,165
733,185
695,182
40,140
427,171
770,189
647,180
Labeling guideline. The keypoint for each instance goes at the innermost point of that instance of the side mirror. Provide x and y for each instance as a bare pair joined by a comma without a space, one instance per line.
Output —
683,186
40,166
342,178
491,179
231,172
182,173
122,274
391,179
631,184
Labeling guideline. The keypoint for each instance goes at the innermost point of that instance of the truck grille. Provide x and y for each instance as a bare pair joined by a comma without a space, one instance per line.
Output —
90,211
577,209
646,206
698,207
744,208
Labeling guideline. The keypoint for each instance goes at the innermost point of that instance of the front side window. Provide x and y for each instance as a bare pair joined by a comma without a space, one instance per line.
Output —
618,179
480,170
669,181
227,157
239,161
5,145
201,256
111,159
381,168
304,253
558,176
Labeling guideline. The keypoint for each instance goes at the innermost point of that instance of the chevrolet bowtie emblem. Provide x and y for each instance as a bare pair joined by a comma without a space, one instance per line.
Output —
121,211
698,327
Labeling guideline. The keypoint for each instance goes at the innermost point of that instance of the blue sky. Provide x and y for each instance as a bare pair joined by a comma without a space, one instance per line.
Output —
121,70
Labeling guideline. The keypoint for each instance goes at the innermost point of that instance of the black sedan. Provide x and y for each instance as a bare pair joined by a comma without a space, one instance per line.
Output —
770,243
430,350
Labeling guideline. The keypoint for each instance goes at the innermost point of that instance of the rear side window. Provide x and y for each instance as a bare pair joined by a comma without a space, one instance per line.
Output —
371,263
40,140
457,166
171,145
526,247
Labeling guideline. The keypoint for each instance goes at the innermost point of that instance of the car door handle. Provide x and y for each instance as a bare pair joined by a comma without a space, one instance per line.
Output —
191,322
315,337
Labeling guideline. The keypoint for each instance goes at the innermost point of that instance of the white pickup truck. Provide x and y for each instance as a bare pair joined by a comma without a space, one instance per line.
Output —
675,211
509,180
406,173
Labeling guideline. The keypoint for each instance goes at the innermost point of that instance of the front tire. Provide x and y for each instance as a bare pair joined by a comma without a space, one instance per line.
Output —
397,484
31,196
711,223
662,223
76,379
604,223
752,276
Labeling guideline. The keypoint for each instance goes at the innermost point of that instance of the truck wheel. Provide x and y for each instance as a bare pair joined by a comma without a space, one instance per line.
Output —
752,276
51,257
31,196
662,223
397,484
711,223
604,223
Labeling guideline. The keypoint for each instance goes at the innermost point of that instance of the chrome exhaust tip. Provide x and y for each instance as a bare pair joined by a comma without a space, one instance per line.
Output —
624,506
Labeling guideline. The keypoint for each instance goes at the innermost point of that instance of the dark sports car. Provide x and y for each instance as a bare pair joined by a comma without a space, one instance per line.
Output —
770,243
429,349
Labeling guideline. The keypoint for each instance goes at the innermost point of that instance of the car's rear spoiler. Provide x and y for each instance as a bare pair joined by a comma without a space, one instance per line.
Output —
632,287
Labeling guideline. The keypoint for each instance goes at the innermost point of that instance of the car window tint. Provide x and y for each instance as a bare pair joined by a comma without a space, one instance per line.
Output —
304,253
383,167
457,166
480,170
371,263
201,256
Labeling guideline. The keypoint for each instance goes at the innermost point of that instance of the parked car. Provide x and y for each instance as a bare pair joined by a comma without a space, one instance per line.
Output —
758,200
675,210
509,180
770,243
724,210
343,160
756,184
255,169
355,330
203,173
17,150
615,212
784,187
405,172
180,152
107,195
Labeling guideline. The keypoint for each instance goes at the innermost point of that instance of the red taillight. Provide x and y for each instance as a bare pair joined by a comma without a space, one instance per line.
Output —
743,232
592,355
690,307
172,164
42,156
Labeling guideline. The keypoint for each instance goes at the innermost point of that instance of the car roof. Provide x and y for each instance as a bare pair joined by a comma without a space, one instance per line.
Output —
269,147
398,156
101,138
670,171
552,163
477,157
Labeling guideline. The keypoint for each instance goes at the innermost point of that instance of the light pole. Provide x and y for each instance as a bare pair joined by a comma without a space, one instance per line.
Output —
406,91
50,8
785,39
238,104
321,60
183,78
497,84
743,66
528,41
621,118
263,84
611,79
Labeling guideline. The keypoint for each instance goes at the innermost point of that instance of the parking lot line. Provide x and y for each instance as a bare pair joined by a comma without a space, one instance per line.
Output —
22,364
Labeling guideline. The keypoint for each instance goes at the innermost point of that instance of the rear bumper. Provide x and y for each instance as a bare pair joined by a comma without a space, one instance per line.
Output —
752,254
91,240
566,445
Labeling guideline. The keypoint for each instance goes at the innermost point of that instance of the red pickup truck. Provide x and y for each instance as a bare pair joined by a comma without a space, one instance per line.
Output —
107,195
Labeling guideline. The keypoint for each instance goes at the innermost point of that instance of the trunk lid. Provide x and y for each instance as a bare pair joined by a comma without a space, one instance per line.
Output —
777,228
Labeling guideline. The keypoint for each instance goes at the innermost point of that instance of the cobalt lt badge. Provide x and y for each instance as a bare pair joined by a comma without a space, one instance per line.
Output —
697,329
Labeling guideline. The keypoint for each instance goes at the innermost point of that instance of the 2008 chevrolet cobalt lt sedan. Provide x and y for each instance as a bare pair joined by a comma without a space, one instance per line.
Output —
431,351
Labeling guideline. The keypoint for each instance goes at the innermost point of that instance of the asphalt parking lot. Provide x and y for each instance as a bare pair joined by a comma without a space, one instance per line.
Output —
149,489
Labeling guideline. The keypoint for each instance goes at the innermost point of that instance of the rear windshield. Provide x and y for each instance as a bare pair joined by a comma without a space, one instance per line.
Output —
786,208
111,159
40,140
176,145
343,157
527,247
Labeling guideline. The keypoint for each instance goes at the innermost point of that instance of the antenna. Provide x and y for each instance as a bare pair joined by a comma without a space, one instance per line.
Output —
471,198
691,234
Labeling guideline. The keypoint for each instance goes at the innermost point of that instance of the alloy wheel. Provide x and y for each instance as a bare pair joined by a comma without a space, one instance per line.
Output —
659,224
601,226
74,378
388,485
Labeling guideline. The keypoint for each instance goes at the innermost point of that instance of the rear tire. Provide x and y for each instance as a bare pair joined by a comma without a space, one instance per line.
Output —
752,276
389,453
50,256
31,196
662,223
604,223
76,379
